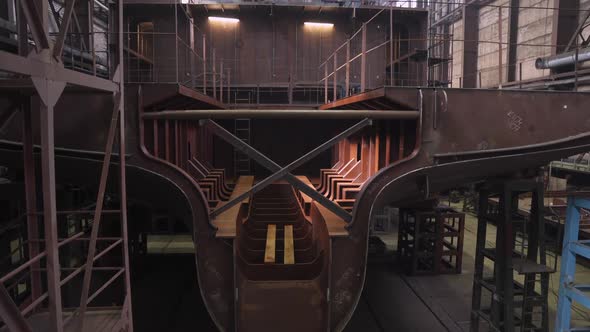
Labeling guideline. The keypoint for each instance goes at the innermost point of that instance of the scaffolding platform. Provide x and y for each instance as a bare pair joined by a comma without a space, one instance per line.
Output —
431,241
518,303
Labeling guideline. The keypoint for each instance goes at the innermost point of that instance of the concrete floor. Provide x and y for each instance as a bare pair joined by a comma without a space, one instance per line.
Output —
389,304
166,297
449,296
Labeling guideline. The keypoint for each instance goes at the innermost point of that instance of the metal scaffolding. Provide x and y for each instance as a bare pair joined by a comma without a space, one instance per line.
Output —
47,75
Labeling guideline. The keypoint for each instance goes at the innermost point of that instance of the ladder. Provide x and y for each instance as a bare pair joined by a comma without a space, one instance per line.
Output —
569,291
242,129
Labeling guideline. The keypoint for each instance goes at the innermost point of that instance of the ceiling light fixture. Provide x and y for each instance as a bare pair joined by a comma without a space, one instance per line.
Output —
319,24
223,19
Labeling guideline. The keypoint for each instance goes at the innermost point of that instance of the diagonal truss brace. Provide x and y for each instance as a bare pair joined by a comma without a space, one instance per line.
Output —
63,29
35,21
98,211
281,172
10,314
287,169
578,31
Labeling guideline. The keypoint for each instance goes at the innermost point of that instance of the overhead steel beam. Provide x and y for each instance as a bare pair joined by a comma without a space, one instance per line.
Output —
274,167
10,314
35,67
513,16
282,114
289,168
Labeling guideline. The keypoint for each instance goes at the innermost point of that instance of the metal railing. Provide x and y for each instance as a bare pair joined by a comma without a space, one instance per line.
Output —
148,59
347,4
24,265
374,55
369,58
85,52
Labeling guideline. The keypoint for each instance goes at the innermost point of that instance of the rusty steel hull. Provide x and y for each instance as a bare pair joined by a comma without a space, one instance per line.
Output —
462,136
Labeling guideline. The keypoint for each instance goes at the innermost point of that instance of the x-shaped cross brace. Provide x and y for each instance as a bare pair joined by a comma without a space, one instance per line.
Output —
282,172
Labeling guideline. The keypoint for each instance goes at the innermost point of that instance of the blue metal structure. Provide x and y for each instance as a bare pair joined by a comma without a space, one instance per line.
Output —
569,291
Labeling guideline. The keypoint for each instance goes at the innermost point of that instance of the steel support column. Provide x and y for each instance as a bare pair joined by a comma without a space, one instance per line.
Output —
347,83
228,84
214,74
391,46
22,33
335,82
31,199
90,6
387,143
326,83
127,307
364,58
191,27
470,45
176,38
166,140
204,64
221,80
500,60
565,22
176,144
49,92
